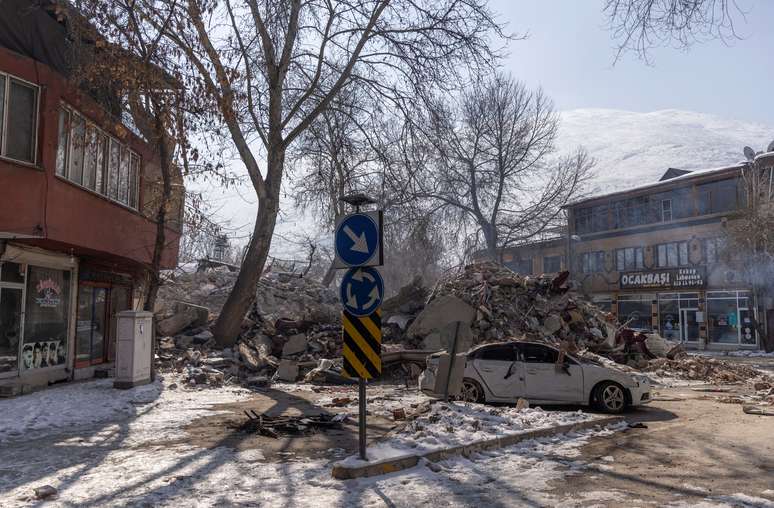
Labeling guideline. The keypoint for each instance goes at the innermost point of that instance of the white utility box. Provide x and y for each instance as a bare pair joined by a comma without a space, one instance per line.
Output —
133,348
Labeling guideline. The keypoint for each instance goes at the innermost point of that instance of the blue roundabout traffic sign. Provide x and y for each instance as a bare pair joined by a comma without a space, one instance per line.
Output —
362,291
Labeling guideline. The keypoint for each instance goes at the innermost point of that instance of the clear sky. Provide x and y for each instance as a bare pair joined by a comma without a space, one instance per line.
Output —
570,53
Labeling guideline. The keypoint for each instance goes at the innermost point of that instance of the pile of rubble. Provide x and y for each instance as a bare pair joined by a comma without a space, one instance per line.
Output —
293,324
710,370
498,304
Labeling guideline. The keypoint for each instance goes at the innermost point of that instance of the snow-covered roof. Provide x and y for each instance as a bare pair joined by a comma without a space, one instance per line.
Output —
655,185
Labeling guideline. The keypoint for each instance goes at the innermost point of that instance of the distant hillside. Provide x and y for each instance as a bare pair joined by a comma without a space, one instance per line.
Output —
635,148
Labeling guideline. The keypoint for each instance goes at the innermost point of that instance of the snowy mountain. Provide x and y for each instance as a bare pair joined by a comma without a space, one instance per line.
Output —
636,148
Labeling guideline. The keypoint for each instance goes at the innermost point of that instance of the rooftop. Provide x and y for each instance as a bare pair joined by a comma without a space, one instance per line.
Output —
666,181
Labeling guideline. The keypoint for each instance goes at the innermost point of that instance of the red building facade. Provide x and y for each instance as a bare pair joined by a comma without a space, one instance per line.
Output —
78,193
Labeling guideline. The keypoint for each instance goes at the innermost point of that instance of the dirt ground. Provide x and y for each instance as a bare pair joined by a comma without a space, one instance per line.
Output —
223,429
693,448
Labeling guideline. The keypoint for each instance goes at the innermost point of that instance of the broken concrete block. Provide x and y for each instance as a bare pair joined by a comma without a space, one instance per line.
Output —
250,358
522,404
263,344
440,312
202,337
183,341
398,414
185,315
432,342
287,371
166,343
296,344
552,323
45,492
257,381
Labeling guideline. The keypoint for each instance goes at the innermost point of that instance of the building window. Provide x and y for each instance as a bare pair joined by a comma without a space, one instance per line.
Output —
719,196
592,262
714,250
673,254
666,210
635,311
18,119
522,266
89,157
730,318
552,264
629,259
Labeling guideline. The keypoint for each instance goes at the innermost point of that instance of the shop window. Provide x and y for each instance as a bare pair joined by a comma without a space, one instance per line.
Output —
635,311
730,318
46,318
12,272
10,328
87,156
629,259
552,264
592,262
18,119
673,254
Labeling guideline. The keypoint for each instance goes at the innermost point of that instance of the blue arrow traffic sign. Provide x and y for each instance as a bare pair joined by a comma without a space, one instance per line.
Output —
357,240
362,290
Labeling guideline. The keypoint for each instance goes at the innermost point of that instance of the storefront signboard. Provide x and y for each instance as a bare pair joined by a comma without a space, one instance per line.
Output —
665,278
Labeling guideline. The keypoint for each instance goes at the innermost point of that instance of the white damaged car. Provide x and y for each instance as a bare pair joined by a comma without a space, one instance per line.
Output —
505,372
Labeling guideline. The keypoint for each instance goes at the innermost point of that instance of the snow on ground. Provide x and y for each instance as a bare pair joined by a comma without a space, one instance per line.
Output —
457,423
103,447
82,405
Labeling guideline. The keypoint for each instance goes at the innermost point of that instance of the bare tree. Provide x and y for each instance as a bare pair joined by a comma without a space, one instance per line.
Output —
750,234
117,53
334,157
485,161
272,67
640,25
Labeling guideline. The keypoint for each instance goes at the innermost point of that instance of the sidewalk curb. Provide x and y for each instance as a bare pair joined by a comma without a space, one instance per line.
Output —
410,460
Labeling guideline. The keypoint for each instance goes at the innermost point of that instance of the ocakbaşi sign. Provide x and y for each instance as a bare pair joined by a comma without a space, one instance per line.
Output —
672,278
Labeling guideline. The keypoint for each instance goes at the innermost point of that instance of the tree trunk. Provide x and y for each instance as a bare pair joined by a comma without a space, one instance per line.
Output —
490,236
229,324
330,274
161,216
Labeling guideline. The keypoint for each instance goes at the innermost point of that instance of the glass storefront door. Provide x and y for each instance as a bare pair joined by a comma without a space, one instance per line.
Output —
92,325
689,326
677,316
10,329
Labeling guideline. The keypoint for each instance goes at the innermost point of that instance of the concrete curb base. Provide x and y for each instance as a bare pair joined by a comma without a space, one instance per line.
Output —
410,460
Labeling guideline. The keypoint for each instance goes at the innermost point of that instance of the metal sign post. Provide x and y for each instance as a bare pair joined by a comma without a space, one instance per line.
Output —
358,246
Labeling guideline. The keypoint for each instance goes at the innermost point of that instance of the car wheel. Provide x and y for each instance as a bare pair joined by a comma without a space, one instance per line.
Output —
471,391
611,397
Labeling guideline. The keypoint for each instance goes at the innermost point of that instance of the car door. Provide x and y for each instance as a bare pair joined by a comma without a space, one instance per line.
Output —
548,381
498,368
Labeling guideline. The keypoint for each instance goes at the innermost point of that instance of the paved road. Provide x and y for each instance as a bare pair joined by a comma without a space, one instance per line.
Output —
694,448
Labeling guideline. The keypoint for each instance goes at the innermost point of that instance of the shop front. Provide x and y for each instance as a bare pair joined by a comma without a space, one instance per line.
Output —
677,304
36,303
101,296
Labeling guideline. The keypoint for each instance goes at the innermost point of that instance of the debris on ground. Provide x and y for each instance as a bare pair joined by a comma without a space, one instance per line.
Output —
45,492
710,370
293,332
276,426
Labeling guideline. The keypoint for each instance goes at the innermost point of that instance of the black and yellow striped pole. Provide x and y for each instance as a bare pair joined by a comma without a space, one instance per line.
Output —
358,247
